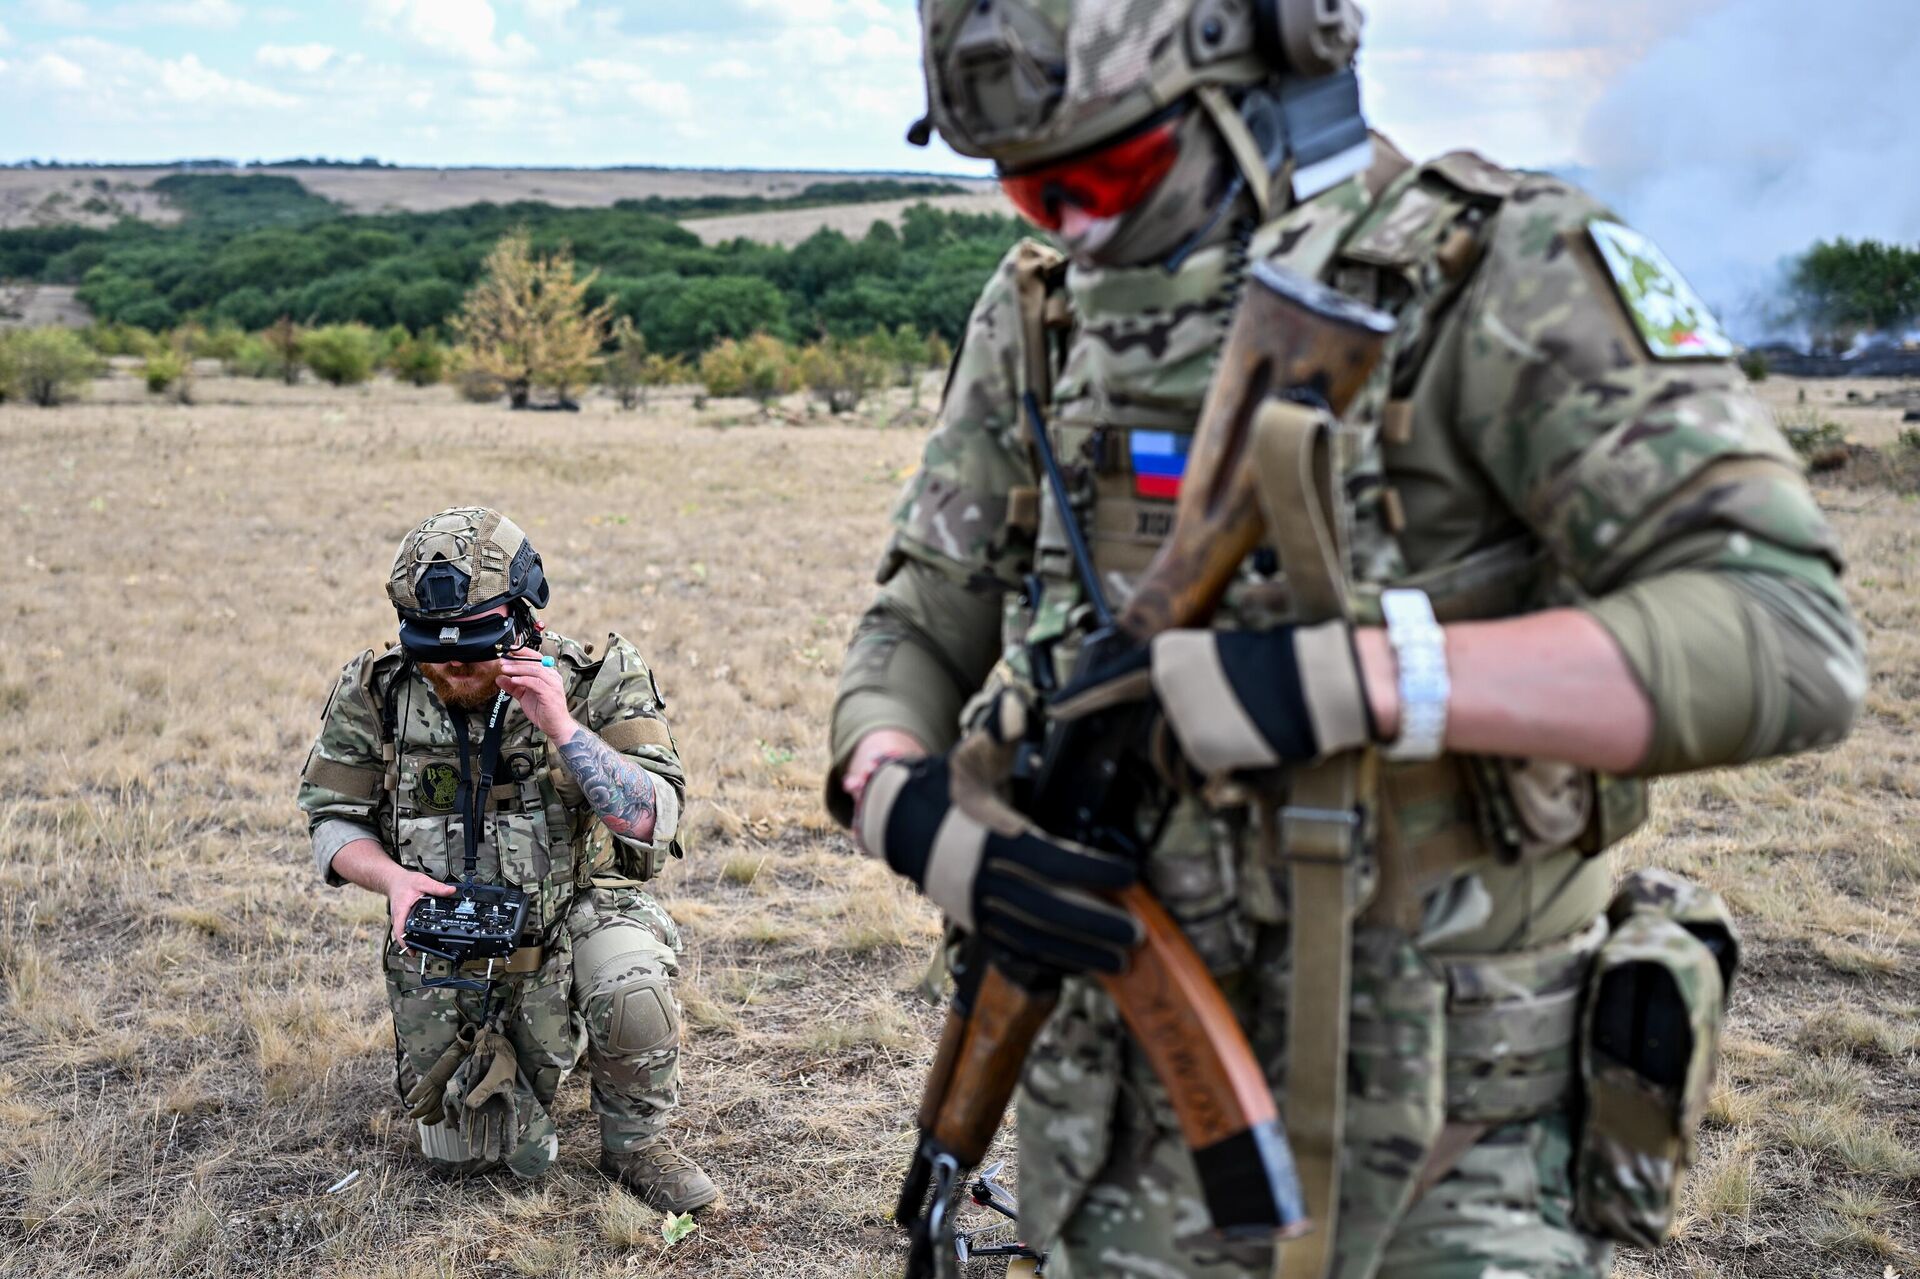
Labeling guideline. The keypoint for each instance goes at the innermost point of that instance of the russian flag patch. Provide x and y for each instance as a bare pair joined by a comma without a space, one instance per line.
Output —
1159,461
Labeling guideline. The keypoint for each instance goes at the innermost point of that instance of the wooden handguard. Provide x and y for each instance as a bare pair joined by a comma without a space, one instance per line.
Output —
1291,336
987,1061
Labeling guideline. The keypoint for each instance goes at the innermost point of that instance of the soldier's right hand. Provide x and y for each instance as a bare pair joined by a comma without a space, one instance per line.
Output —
403,890
997,874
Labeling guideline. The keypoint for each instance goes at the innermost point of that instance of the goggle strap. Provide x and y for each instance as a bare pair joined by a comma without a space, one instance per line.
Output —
1240,144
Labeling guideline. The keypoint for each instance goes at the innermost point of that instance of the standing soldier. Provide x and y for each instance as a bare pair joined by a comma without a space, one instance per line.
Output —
1577,554
482,747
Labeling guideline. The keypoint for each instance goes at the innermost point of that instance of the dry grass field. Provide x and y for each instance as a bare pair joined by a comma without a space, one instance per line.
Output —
194,1049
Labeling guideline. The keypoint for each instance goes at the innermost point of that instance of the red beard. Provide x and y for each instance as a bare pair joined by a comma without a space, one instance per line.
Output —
465,686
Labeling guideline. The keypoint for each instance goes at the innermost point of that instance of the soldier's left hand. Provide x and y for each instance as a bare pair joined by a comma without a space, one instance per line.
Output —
537,687
1241,699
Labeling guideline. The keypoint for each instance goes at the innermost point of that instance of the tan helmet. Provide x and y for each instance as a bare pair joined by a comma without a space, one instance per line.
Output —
461,561
1025,82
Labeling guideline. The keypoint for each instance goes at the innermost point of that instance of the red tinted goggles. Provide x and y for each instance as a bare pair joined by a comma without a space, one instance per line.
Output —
1102,183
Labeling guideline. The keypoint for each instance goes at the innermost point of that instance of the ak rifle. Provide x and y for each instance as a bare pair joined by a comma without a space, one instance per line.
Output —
1292,339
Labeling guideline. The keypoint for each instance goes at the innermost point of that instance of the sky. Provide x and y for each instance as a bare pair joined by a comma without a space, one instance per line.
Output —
752,83
1734,131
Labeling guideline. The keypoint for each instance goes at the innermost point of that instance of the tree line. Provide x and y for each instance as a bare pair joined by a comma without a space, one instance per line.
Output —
526,332
251,249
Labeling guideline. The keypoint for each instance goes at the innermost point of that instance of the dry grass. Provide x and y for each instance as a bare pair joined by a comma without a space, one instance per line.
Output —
193,1044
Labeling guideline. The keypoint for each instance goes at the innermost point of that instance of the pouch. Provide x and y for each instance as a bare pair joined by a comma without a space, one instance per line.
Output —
1650,1036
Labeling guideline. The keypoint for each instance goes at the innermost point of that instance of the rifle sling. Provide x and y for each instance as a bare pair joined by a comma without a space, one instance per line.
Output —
1318,829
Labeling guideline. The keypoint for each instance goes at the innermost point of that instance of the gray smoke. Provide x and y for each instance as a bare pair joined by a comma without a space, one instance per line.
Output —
1758,128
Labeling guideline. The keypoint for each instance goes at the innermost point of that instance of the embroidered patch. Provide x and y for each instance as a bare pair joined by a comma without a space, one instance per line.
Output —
1673,320
1159,461
439,786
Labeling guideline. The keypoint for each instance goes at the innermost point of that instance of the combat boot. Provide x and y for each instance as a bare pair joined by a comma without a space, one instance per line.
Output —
661,1176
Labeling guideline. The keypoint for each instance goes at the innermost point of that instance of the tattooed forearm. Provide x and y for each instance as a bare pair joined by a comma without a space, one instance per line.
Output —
620,790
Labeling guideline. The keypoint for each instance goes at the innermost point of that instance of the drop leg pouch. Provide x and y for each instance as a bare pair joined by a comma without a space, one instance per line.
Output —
1650,1036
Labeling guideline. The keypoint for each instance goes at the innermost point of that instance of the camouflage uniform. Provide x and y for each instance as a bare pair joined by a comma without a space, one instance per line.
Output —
608,951
1520,447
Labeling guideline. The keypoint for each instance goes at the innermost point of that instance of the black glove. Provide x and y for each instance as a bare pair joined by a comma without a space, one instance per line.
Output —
993,872
1240,699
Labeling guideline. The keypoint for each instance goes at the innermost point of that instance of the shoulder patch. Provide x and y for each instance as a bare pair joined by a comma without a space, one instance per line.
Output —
1672,319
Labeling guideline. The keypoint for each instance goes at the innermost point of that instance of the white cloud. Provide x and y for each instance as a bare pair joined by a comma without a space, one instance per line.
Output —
663,98
549,11
4,37
188,80
54,71
180,13
732,69
459,29
294,57
60,13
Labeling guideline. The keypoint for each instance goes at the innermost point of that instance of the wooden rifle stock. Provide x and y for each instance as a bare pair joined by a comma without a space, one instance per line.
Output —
1291,337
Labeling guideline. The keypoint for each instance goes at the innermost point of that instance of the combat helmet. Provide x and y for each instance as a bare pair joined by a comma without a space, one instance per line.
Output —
462,561
1049,89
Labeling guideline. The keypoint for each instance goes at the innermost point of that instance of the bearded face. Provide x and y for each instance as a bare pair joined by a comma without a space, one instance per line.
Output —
464,686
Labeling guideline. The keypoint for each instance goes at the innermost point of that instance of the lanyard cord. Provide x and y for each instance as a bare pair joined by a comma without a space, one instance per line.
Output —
473,792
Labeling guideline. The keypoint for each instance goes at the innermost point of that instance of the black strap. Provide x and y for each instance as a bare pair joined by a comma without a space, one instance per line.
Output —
473,793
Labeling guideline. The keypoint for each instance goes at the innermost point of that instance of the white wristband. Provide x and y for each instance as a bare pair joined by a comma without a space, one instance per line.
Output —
1420,661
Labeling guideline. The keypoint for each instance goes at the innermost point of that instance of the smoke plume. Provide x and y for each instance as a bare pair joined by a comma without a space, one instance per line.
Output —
1758,128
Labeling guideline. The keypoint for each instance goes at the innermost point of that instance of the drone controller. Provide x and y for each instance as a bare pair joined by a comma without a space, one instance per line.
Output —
479,921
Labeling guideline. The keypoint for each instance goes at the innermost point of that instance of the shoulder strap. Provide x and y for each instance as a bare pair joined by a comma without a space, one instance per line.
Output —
1039,277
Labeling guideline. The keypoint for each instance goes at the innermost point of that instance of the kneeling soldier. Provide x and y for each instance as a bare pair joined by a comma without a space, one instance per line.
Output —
483,751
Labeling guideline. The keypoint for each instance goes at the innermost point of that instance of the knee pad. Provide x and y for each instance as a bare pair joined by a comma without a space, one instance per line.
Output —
644,1018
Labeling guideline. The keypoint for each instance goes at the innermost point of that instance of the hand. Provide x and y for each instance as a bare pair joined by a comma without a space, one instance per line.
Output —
537,687
1241,699
403,890
995,873
873,750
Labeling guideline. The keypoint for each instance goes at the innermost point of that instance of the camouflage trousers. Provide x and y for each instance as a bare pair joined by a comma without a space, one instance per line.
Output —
1108,1187
1504,1212
603,990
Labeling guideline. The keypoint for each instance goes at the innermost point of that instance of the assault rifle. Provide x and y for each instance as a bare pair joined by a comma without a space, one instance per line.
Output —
1293,339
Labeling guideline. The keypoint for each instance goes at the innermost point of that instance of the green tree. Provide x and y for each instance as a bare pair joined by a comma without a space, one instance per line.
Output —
1843,287
341,354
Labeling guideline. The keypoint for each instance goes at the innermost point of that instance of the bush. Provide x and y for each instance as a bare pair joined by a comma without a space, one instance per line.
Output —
420,361
1754,365
839,374
253,358
759,367
341,354
165,368
287,342
45,366
477,386
218,343
121,339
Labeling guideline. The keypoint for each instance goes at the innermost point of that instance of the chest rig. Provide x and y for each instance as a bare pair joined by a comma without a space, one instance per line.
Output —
538,830
1128,357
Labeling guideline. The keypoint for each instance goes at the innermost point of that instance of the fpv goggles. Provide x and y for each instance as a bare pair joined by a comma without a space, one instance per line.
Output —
479,639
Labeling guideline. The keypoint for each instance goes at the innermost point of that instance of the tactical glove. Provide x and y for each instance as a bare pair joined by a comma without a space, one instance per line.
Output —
991,870
1241,699
480,1098
426,1099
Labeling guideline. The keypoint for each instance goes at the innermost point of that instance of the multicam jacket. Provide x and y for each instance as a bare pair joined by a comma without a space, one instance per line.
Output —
544,836
1553,424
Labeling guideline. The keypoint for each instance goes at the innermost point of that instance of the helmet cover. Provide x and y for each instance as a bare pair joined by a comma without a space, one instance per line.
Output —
461,561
